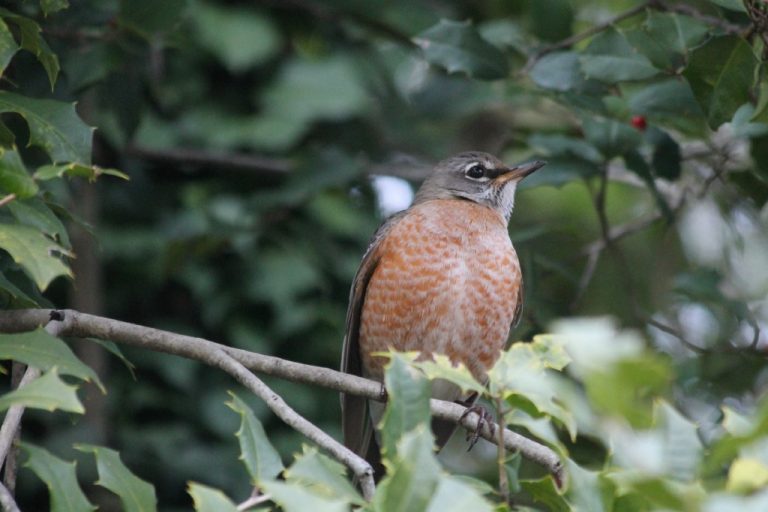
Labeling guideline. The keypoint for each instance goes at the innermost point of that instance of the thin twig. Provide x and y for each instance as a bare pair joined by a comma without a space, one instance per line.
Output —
10,428
596,29
84,325
7,501
693,12
677,334
7,199
216,159
253,501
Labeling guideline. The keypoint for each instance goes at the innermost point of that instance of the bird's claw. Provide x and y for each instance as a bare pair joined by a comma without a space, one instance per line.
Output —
484,418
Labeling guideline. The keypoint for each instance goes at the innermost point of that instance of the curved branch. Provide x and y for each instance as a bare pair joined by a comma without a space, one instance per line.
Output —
84,325
10,428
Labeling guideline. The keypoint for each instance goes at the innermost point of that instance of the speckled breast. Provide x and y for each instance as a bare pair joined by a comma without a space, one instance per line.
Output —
447,282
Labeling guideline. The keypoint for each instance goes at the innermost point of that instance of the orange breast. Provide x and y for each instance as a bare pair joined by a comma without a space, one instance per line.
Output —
447,282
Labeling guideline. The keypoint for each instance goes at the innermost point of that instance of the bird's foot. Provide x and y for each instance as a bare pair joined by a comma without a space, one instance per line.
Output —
484,418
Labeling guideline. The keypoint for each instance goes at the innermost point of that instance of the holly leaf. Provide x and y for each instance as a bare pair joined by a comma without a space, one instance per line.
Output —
60,477
54,126
322,475
721,74
135,494
260,457
208,499
33,42
46,392
34,252
14,178
459,48
610,58
42,350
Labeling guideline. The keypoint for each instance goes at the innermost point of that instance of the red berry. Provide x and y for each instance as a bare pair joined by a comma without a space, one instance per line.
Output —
639,122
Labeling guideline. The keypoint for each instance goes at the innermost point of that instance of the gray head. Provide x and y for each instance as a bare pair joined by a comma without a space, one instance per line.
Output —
477,177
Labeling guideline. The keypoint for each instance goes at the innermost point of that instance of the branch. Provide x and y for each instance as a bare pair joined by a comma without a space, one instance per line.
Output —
7,501
596,29
83,325
7,199
196,157
10,431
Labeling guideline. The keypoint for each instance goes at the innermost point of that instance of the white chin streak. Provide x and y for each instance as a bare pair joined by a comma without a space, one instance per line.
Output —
507,200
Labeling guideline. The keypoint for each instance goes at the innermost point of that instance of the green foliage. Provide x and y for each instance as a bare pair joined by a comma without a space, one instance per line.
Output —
135,494
655,131
260,457
60,477
458,47
41,350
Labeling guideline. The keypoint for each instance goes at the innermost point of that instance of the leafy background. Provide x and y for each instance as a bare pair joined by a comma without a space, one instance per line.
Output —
250,135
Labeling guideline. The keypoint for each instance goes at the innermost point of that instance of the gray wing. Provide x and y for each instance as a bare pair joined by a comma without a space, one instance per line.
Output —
356,423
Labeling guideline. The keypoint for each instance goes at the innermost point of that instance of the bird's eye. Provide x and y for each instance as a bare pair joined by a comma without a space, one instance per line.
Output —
475,172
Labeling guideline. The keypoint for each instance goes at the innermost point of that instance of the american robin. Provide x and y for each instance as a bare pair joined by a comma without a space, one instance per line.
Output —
441,277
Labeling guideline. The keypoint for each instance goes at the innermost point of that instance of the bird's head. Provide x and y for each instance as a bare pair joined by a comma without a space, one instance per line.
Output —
477,177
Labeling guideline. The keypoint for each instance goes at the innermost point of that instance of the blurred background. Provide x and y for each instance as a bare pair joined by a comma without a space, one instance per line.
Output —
266,141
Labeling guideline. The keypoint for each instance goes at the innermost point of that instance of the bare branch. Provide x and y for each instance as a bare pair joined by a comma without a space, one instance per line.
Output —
7,501
7,199
10,431
238,161
84,325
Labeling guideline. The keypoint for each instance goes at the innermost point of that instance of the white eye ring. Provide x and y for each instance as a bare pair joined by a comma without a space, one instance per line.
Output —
476,171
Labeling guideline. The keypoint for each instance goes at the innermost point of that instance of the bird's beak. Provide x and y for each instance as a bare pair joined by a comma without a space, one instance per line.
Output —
519,172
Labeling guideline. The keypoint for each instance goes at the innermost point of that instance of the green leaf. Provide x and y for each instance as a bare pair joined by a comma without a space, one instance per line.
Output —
54,126
35,213
557,145
412,476
683,449
239,37
90,172
455,495
33,42
561,170
558,71
135,494
747,475
8,46
39,349
611,137
47,392
666,158
587,489
296,498
322,475
442,368
14,178
733,5
546,492
208,499
260,457
18,297
523,378
114,349
665,100
60,477
34,252
610,58
721,74
148,17
637,164
675,32
628,387
459,48
408,405
52,6
306,91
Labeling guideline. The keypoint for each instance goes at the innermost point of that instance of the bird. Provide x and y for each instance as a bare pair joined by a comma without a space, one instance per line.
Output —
440,277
